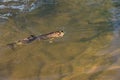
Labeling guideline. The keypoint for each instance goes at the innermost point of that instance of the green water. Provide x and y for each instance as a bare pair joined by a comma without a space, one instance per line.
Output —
89,49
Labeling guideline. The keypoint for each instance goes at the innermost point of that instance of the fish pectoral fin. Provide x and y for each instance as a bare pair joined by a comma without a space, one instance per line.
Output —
51,40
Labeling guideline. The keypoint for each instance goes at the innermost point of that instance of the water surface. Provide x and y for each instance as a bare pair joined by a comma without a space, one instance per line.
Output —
88,51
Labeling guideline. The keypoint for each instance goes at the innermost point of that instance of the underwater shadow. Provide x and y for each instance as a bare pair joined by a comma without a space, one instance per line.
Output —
94,36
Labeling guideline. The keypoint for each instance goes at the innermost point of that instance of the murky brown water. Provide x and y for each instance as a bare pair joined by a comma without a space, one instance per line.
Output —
88,51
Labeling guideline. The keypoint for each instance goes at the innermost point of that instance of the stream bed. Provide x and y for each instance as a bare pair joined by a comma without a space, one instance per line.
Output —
89,50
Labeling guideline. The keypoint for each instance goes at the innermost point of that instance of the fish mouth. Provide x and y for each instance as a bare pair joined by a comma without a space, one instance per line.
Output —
61,34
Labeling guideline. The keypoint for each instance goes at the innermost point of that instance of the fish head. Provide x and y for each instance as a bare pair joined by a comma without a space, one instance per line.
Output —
60,33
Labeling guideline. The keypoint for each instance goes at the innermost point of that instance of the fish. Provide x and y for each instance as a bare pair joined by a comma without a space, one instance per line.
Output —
48,36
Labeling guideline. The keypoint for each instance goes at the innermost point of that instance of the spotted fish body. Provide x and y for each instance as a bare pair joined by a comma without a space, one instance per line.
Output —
50,36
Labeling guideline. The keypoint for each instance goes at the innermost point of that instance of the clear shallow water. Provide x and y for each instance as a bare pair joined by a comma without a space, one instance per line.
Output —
88,51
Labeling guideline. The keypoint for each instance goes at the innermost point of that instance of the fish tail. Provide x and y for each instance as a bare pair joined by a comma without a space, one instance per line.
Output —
11,46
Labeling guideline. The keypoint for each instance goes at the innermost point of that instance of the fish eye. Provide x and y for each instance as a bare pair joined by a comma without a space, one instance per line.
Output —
61,31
